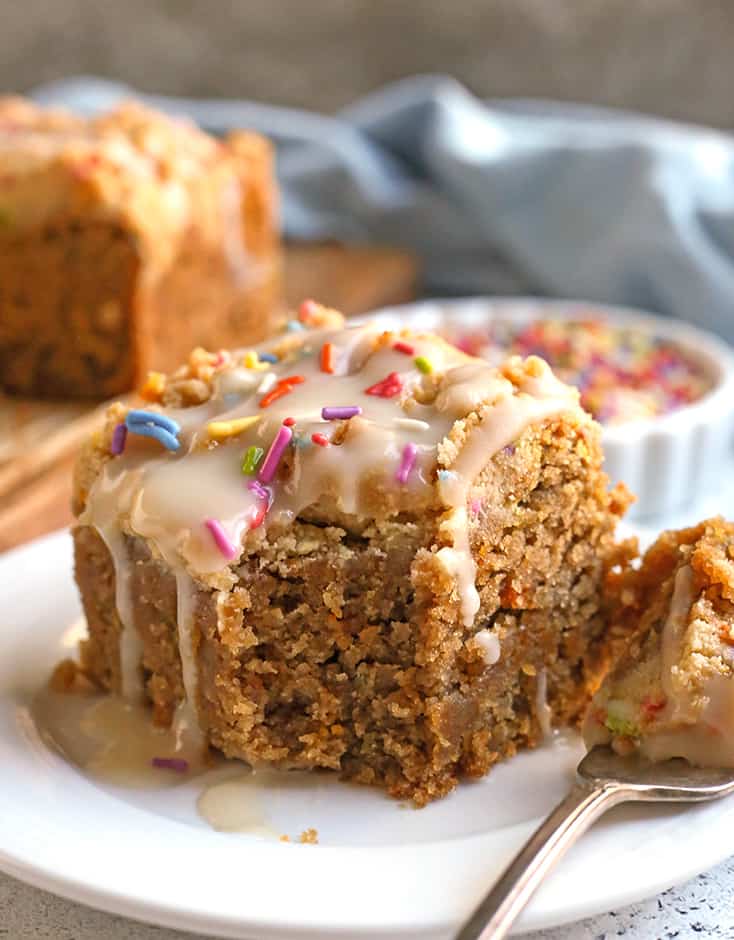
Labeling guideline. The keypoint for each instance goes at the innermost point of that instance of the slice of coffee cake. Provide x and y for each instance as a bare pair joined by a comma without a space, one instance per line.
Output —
350,549
672,695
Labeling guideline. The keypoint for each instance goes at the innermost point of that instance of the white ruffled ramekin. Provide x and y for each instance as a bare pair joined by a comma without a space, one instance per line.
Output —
668,461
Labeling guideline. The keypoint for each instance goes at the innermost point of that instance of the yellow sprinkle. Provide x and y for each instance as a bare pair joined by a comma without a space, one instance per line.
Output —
221,430
251,360
153,386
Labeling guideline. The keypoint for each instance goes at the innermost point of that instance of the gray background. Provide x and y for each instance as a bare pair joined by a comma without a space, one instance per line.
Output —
671,57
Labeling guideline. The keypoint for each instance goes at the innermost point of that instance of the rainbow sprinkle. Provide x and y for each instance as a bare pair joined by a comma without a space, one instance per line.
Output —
265,496
293,326
268,357
254,486
307,310
387,388
327,358
343,412
423,365
404,347
282,387
270,465
253,456
178,764
221,430
220,537
407,462
623,373
119,437
251,360
153,424
321,440
414,424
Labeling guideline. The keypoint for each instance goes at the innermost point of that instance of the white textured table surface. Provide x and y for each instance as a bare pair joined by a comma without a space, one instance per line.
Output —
703,907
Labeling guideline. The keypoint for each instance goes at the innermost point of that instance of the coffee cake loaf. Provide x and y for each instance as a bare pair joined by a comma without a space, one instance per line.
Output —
125,241
350,549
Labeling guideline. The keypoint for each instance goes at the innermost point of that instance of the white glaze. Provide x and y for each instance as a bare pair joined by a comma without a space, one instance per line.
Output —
542,707
671,640
489,645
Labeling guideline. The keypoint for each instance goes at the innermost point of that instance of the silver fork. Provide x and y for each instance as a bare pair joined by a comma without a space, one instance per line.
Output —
603,779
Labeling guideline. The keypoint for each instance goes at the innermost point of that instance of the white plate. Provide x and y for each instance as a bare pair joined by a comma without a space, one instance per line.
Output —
380,870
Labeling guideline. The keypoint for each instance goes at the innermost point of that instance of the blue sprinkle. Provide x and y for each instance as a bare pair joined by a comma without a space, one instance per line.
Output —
300,442
446,475
138,416
231,398
268,357
169,441
293,326
153,424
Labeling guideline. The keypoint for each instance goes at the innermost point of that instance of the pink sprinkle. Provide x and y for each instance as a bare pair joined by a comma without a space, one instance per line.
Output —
269,466
407,463
476,506
119,437
307,309
337,413
171,763
254,486
221,357
404,348
258,518
220,537
265,497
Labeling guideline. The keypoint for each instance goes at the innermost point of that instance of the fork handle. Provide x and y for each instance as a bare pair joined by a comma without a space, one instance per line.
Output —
547,845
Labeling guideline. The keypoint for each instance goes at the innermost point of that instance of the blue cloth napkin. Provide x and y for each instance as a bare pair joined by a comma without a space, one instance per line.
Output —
502,197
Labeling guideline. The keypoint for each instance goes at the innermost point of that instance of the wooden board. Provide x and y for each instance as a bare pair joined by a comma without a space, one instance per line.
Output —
38,440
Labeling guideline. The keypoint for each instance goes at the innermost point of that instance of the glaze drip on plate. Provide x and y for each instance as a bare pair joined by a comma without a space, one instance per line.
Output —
365,423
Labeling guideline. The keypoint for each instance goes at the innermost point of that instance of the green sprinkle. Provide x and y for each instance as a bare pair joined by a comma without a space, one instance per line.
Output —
253,456
621,727
423,365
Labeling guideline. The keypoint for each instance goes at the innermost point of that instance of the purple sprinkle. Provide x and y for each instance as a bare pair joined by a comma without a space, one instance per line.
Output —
335,414
476,506
254,486
220,537
171,763
510,449
119,437
269,466
407,462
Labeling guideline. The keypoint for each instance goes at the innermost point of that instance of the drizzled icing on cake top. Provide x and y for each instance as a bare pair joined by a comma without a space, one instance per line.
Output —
350,422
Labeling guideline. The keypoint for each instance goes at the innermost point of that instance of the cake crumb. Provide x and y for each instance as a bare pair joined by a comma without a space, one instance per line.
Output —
69,678
309,837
